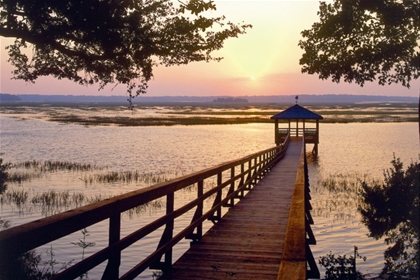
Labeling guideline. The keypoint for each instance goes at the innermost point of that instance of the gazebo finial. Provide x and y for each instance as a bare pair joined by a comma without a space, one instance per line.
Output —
296,98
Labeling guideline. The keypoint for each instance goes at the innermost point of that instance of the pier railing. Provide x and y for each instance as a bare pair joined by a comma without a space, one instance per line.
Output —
233,178
297,261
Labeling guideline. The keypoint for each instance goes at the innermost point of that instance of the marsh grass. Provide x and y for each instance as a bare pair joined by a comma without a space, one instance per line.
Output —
149,207
127,177
4,224
206,113
18,197
37,169
51,166
54,202
157,121
22,176
226,120
30,170
338,197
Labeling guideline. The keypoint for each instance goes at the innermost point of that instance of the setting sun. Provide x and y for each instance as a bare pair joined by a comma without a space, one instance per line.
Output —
253,78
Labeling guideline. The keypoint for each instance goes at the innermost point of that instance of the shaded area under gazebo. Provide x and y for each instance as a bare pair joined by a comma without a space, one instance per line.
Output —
288,122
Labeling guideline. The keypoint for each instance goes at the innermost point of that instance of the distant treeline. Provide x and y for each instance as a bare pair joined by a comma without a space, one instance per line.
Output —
288,99
230,100
9,97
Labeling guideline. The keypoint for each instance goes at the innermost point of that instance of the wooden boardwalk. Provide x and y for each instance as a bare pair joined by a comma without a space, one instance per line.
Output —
247,243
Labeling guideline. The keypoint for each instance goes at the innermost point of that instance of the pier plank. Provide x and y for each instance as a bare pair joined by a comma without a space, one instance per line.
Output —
247,243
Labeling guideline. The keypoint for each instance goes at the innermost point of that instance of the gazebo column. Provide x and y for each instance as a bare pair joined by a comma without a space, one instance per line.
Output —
317,132
276,132
317,138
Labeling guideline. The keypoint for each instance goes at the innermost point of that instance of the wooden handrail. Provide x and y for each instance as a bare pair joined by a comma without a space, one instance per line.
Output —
20,239
297,262
293,259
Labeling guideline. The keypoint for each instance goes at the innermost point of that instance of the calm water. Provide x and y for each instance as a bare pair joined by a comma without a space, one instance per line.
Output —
354,150
344,149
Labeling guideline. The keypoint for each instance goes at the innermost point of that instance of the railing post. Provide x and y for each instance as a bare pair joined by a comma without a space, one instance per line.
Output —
257,168
218,215
232,188
313,271
254,181
242,180
169,227
166,236
112,268
200,191
219,197
248,179
197,215
265,161
232,185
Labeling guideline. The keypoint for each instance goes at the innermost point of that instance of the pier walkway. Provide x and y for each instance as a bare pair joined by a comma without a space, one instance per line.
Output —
247,243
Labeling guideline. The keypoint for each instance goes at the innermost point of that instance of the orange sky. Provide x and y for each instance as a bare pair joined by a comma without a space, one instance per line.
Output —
265,61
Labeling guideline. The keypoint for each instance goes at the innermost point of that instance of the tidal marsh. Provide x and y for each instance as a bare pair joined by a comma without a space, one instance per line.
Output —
169,114
53,202
51,166
337,198
26,200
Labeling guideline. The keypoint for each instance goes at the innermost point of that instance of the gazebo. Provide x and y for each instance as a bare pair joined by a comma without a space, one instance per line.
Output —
296,114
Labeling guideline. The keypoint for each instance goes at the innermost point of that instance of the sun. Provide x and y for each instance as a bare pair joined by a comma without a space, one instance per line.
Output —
253,78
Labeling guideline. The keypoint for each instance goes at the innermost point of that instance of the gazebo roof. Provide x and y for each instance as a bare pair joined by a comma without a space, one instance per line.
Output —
297,112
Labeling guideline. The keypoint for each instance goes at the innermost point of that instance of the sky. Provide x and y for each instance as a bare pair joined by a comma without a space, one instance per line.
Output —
264,61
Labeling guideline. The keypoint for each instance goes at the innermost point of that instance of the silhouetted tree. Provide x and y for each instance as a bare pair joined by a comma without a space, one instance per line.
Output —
341,267
391,209
110,41
364,40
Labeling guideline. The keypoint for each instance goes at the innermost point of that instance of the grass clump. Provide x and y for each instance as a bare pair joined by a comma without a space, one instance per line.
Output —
20,176
17,197
19,171
51,166
125,177
4,175
339,197
53,202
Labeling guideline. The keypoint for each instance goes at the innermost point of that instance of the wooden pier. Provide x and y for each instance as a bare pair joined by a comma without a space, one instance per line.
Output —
248,242
265,234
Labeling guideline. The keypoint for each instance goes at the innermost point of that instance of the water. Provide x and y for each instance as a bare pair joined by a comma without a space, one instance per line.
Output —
356,148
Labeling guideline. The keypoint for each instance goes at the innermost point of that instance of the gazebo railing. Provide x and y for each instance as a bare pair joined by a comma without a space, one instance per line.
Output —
300,132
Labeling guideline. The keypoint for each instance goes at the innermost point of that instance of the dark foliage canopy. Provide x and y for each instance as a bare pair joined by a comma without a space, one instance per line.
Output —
110,41
364,40
392,210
